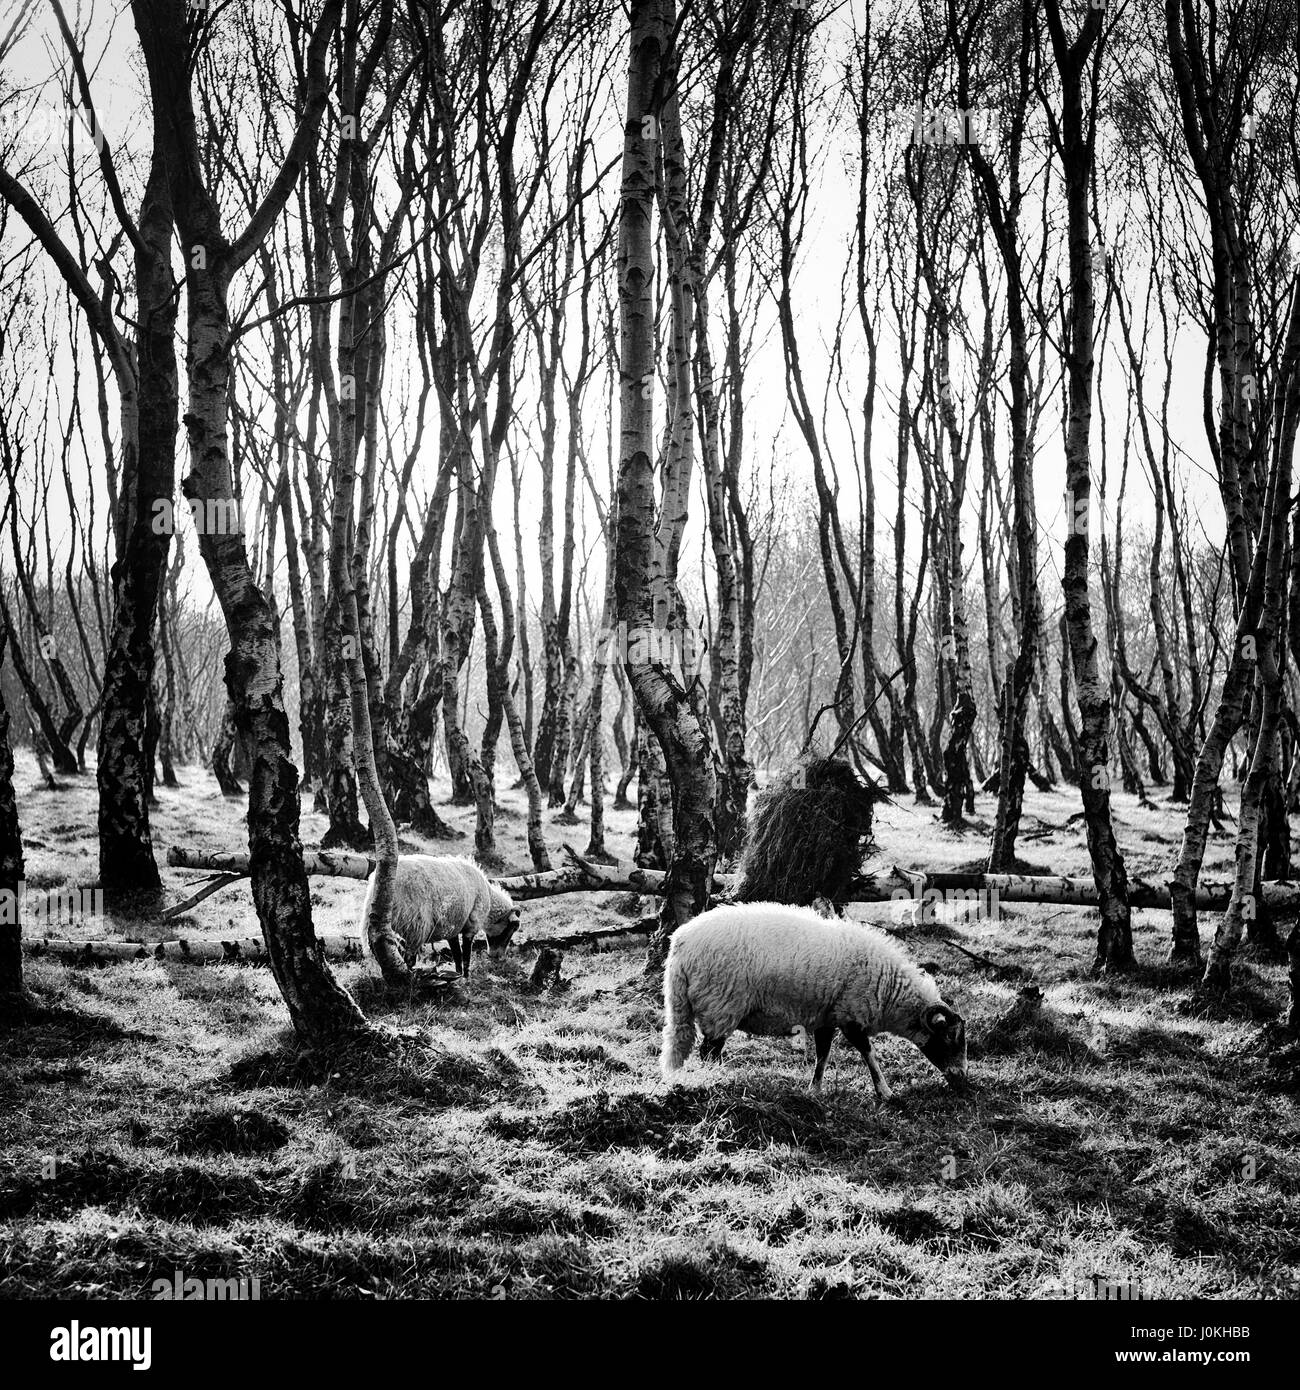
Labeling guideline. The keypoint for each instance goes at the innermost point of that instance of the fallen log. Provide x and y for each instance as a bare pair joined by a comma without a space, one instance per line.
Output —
338,946
896,885
318,863
973,889
578,877
244,950
647,926
573,878
1063,891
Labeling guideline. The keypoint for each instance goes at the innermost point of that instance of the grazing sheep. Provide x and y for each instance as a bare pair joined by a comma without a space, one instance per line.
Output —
445,899
767,968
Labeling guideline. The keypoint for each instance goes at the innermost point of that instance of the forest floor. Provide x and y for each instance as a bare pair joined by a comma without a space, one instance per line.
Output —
158,1120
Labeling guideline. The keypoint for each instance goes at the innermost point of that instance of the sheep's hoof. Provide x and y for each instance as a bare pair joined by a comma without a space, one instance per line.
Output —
891,1102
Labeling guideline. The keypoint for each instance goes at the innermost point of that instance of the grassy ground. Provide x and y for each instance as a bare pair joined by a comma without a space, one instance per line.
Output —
158,1118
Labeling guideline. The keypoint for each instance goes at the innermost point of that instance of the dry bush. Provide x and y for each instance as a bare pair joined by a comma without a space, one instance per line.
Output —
807,835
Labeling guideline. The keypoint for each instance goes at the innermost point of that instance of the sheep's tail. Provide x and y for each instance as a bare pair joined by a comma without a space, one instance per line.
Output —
679,1021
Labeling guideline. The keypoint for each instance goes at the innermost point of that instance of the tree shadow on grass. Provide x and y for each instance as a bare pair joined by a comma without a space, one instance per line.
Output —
1161,976
101,1178
713,1270
54,1030
1250,999
226,1129
429,990
734,1113
408,1068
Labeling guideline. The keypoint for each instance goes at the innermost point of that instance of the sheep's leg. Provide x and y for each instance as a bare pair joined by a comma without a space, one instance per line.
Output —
711,1049
467,945
883,1093
822,1038
861,1039
454,943
478,920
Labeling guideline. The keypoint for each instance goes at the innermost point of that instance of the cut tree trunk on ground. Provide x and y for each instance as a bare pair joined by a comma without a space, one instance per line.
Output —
336,946
893,886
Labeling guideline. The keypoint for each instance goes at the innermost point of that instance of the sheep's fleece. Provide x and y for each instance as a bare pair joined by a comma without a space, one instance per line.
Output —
771,969
444,898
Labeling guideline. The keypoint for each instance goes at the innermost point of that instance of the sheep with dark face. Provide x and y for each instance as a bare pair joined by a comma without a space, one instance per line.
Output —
444,898
768,968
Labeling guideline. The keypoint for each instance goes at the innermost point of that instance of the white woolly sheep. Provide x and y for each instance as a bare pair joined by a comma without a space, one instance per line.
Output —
768,968
444,898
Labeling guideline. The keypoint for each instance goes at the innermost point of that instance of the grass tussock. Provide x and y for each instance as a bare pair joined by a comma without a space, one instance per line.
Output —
716,1271
1030,1025
100,1178
732,1115
578,1054
231,1131
447,1074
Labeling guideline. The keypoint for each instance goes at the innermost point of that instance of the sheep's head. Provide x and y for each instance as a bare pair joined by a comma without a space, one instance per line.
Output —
941,1035
502,924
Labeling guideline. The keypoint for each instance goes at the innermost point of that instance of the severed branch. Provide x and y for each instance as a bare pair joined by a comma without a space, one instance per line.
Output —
337,946
898,884
321,864
213,885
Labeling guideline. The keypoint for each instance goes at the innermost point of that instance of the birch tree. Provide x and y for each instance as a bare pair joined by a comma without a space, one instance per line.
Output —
661,697
1073,135
320,1007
